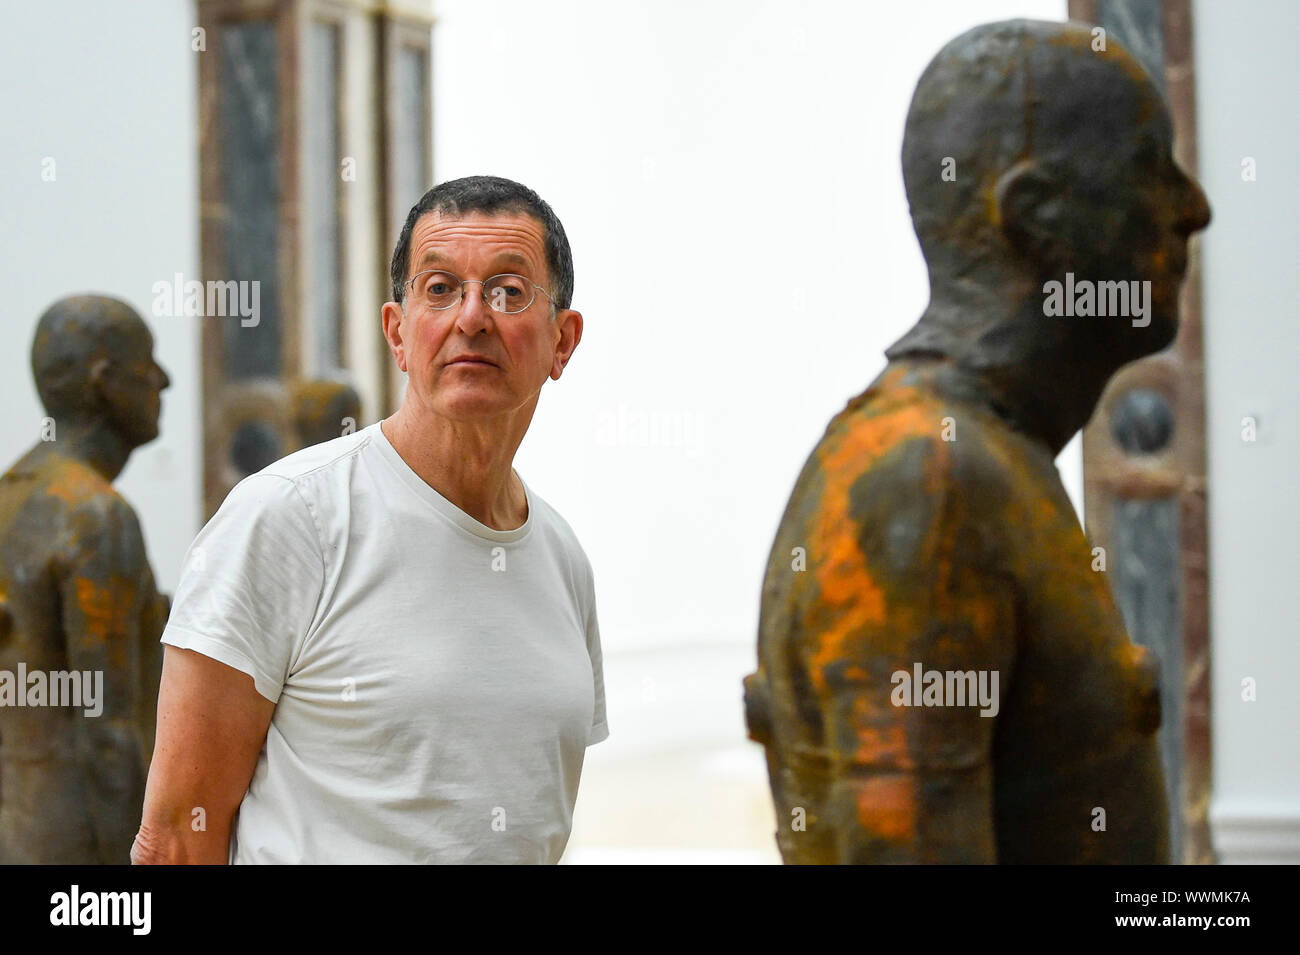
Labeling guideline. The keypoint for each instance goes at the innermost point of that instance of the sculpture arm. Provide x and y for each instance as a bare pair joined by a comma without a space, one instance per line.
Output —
908,579
913,782
149,672
105,587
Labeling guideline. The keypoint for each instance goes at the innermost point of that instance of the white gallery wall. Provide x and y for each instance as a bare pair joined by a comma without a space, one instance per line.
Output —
107,93
723,169
1247,75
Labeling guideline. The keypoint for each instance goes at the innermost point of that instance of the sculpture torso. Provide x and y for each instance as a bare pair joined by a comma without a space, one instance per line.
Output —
959,555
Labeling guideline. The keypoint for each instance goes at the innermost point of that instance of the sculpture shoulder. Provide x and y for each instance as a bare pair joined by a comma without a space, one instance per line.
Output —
912,443
899,472
94,517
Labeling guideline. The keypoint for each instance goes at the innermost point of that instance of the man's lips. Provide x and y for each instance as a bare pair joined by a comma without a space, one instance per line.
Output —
472,360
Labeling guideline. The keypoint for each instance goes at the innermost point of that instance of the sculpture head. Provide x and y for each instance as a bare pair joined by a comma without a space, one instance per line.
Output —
321,409
1061,162
92,359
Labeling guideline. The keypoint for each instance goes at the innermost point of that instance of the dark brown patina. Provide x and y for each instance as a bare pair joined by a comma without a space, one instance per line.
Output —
929,527
77,593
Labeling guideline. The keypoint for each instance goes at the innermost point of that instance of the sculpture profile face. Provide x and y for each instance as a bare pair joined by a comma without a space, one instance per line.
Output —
1104,198
131,384
93,362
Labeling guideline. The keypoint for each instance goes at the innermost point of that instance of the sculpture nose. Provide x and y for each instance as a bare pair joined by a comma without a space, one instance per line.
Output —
1196,209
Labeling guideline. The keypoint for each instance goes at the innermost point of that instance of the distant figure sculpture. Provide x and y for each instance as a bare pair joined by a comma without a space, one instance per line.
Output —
944,676
322,410
80,617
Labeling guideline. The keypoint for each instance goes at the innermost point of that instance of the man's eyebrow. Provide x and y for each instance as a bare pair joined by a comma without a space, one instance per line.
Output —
513,257
437,258
430,258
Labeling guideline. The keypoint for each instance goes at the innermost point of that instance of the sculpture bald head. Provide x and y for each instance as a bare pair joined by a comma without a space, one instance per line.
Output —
92,360
1063,163
321,409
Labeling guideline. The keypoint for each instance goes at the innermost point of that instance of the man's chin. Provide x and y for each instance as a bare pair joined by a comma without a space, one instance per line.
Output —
469,407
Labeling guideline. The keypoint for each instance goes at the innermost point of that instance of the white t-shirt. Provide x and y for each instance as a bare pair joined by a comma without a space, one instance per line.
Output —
436,681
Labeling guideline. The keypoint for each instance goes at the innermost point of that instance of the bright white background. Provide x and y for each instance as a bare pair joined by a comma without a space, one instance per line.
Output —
684,145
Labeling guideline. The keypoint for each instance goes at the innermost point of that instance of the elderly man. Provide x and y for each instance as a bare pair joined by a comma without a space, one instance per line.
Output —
384,648
78,606
941,548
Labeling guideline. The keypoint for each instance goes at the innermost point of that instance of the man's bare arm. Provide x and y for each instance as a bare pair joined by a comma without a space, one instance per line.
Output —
212,724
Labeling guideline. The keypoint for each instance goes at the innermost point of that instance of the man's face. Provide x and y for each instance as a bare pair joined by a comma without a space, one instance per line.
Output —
132,383
513,354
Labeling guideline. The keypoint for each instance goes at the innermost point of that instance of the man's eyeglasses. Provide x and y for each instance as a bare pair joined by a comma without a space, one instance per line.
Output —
506,293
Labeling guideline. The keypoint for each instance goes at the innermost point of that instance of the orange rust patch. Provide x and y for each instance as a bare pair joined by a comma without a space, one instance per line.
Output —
74,484
104,608
887,808
881,745
848,589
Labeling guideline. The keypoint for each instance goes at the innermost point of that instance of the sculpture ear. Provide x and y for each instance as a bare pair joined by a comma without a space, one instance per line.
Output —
98,374
1031,209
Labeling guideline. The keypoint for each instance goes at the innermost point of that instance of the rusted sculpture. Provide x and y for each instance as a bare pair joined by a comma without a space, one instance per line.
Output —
80,616
323,410
943,673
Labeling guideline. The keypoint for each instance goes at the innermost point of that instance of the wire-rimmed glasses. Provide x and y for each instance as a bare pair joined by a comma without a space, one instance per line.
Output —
506,293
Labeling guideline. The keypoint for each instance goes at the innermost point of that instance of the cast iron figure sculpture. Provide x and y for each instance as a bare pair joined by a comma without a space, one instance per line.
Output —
943,673
322,409
80,617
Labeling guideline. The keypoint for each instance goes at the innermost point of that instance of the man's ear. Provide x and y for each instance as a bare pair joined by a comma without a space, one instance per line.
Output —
392,316
1032,206
569,323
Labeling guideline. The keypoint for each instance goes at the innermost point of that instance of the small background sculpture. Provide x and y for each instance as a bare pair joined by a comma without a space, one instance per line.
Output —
77,594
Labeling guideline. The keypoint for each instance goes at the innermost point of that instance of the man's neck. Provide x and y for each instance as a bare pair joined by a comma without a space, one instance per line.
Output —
468,463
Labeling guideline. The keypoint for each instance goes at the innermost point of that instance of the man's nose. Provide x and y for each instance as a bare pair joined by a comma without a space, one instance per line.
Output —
473,314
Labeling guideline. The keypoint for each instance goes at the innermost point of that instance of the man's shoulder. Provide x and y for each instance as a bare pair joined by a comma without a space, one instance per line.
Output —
320,457
304,481
553,524
309,476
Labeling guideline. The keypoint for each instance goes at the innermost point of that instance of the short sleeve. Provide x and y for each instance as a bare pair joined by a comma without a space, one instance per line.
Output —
251,582
599,725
